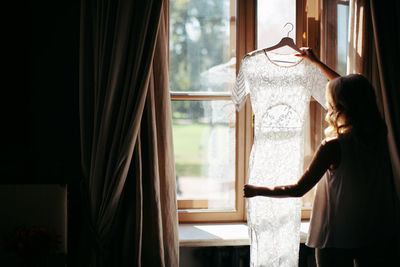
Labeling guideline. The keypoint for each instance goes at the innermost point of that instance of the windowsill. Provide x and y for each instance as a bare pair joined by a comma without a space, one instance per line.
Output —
221,234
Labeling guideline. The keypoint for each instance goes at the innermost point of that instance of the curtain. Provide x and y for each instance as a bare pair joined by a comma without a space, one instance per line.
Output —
126,134
386,26
374,41
362,56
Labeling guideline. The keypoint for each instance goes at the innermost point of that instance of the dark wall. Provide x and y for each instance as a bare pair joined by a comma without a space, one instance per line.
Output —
15,89
54,90
232,256
40,119
39,97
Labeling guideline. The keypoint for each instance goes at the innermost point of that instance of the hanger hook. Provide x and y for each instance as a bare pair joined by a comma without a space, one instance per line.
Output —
291,29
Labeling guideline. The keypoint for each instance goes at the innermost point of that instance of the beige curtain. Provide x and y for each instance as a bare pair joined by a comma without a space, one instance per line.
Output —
374,52
126,135
158,214
362,52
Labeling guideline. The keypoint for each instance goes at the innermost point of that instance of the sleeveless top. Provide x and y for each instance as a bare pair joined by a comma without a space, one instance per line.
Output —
354,204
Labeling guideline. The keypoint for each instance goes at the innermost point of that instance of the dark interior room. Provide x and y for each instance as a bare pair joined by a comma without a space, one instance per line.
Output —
95,100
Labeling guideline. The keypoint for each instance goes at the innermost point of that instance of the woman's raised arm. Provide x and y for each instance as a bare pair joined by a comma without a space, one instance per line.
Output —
308,53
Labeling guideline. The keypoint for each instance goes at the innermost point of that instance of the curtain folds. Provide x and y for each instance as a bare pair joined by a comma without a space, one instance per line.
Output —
126,134
374,40
386,26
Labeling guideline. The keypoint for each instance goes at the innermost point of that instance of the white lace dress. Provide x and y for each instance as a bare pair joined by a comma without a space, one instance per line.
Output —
279,97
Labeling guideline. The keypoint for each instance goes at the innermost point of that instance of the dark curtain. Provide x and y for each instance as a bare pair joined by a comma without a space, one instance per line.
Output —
374,29
374,52
384,46
385,19
126,135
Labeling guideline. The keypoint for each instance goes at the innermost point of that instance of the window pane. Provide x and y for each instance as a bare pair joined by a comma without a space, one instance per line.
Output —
272,15
202,45
342,37
204,144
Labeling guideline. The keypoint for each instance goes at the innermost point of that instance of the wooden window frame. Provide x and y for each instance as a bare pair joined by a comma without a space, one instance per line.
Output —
246,17
308,34
329,33
317,31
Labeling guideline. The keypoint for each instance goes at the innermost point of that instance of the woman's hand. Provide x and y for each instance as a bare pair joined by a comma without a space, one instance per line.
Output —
308,53
250,190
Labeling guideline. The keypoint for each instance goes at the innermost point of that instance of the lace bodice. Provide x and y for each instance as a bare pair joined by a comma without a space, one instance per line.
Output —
279,96
269,83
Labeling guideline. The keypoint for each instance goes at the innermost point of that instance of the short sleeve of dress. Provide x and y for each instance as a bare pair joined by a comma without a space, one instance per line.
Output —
318,85
241,90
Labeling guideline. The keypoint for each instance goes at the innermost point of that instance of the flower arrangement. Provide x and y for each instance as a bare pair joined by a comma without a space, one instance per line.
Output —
33,244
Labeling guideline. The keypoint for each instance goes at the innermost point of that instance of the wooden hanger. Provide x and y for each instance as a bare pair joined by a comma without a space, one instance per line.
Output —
285,41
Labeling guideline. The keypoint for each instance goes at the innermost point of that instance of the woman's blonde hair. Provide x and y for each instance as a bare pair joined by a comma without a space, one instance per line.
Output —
353,108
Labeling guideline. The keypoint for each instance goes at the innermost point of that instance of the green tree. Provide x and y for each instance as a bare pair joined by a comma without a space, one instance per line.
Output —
199,40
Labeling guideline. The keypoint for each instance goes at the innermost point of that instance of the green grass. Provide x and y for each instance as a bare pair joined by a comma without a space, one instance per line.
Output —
186,169
189,146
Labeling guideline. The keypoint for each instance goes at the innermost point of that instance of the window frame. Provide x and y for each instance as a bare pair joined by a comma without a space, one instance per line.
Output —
245,42
328,51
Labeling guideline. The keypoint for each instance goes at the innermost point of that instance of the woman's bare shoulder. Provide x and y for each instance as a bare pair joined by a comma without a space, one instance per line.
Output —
331,141
331,145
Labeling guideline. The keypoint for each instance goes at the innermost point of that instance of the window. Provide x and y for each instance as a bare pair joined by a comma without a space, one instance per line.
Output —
207,139
336,34
212,141
330,42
